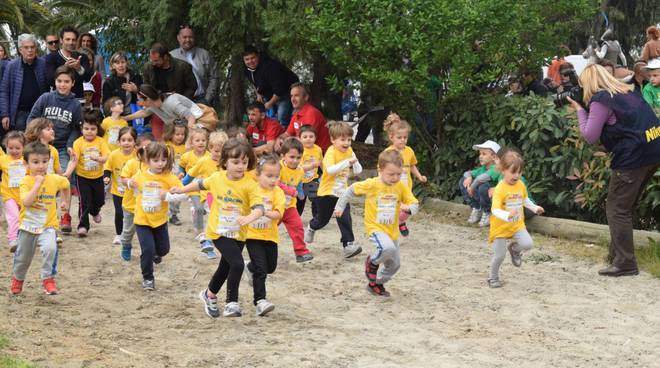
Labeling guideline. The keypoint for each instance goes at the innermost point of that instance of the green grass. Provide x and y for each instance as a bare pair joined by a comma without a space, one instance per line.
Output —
8,361
648,258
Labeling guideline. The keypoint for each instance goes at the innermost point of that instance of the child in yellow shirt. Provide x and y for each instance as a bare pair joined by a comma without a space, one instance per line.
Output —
152,195
262,234
386,196
199,139
111,125
175,137
508,219
338,162
38,218
41,130
130,169
398,131
112,175
13,169
236,203
90,153
311,161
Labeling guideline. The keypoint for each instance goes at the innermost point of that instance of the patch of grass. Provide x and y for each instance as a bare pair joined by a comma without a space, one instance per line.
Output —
648,258
8,361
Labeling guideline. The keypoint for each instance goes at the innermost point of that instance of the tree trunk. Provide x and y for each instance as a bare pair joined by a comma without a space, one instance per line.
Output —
235,103
322,96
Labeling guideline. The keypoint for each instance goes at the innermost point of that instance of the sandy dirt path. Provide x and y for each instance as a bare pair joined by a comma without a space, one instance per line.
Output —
553,312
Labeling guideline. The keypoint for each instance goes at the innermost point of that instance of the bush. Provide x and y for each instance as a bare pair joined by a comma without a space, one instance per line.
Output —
567,176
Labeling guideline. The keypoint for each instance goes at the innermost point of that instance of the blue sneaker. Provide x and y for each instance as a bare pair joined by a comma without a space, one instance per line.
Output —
210,305
207,246
126,252
211,254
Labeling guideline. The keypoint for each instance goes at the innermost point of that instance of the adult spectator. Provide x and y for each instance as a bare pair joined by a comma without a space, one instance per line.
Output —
568,77
556,63
167,106
122,82
305,114
531,82
167,74
624,124
89,41
652,46
96,79
23,82
611,49
67,55
262,130
203,66
4,53
52,43
272,80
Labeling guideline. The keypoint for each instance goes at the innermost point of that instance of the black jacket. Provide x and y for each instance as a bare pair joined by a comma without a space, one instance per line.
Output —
112,86
55,60
271,78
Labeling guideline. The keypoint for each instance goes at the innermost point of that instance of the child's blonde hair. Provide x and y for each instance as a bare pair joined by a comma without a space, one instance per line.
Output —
34,129
218,139
391,156
391,126
198,131
338,129
595,78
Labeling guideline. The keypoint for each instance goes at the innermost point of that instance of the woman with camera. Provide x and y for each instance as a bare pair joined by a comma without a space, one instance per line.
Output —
629,129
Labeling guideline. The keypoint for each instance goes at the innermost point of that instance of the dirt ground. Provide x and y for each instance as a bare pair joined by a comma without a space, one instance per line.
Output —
553,312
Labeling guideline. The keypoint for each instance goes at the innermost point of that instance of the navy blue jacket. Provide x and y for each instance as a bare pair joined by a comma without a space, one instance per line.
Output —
12,85
66,114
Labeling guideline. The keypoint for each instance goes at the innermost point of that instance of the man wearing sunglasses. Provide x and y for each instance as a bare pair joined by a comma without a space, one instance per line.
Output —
52,43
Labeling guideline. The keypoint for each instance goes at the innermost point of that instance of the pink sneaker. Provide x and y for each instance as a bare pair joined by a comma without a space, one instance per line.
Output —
82,232
98,218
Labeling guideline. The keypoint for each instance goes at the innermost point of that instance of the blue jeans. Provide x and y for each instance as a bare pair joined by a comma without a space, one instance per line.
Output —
283,108
482,196
64,161
471,201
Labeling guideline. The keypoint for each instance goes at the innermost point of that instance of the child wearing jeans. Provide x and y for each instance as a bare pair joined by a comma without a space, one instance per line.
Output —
38,219
386,195
474,184
508,219
311,161
338,162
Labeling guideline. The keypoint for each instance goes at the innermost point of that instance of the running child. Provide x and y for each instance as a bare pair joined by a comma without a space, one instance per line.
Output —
151,187
386,197
199,139
262,234
13,169
113,123
112,175
475,183
38,218
291,175
508,218
338,162
236,204
175,137
90,153
130,169
398,131
41,130
311,162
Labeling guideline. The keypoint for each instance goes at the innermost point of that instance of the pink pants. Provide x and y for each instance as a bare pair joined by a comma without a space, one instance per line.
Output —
294,227
403,216
11,214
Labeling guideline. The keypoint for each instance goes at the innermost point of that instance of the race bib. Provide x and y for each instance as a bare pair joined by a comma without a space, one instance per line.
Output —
514,204
176,169
264,222
341,183
120,185
16,173
88,163
404,177
151,201
34,220
51,166
310,173
228,221
386,209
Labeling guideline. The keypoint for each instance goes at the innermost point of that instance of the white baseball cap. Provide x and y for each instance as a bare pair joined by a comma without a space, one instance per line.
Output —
653,64
88,87
487,145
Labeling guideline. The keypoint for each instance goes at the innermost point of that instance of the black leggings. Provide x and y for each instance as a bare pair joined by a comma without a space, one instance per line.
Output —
263,261
92,198
154,241
119,214
325,207
230,268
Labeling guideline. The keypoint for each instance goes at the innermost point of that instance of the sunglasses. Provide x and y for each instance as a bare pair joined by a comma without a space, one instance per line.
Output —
53,42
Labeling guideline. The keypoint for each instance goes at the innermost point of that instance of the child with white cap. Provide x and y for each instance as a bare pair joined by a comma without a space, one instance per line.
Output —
89,91
651,91
475,183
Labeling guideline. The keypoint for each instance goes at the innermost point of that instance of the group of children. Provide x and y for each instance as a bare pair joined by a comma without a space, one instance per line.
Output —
245,198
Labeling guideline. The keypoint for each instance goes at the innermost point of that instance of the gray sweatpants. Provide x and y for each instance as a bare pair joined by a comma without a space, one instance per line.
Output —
174,209
128,229
521,242
386,255
27,245
198,213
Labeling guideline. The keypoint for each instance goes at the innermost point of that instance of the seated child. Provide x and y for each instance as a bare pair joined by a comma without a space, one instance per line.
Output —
474,184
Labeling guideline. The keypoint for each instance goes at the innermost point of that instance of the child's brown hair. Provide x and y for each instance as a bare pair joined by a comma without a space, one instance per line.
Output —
267,159
510,159
391,156
307,129
93,117
127,130
156,150
14,135
291,143
34,129
338,129
170,130
109,104
237,148
35,148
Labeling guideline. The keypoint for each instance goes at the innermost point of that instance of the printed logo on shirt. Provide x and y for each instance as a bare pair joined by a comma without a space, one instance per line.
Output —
57,113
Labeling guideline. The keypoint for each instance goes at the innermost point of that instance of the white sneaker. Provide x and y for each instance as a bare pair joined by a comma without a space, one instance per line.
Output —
475,216
309,235
248,275
116,240
232,309
264,307
485,220
200,237
351,250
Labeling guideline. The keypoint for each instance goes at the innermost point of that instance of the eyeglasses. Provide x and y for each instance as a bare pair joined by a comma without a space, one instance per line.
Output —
55,42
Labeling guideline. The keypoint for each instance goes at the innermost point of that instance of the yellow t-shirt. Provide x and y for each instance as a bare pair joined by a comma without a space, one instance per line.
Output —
231,200
54,162
264,228
112,128
188,160
409,159
130,169
13,171
204,168
290,177
382,205
150,209
509,198
116,161
179,150
84,151
251,174
42,214
334,185
315,153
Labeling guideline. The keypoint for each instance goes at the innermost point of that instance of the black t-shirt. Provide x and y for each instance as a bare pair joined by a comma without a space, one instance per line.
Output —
30,90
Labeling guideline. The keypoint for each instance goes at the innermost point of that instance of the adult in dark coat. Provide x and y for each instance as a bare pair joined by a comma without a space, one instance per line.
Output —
67,55
122,82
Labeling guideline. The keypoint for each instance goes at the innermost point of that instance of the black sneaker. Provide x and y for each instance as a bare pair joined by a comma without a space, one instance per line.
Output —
404,229
304,258
377,289
158,259
174,220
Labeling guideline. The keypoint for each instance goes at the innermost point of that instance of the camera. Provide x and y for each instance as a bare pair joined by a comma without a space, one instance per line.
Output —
575,93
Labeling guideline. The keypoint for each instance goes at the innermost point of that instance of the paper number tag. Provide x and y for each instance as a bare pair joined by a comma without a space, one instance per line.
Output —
386,209
88,163
228,221
341,183
264,222
34,220
16,174
151,201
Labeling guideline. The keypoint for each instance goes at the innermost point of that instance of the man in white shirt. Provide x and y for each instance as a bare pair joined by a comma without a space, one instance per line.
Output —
203,65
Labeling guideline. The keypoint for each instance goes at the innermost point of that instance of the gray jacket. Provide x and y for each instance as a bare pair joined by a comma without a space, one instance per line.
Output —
206,72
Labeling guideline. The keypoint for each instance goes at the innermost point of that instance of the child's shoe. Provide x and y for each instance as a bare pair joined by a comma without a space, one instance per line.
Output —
149,284
475,216
370,270
13,244
516,257
82,232
49,286
377,289
264,307
210,304
126,252
232,309
98,218
485,220
116,240
16,286
304,258
309,235
65,223
174,220
351,250
158,259
494,283
403,229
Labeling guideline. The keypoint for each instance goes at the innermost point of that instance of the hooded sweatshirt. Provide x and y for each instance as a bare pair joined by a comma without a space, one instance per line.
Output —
271,78
65,113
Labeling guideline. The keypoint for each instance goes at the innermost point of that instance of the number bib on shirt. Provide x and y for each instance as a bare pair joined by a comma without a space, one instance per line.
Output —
514,203
386,209
309,173
113,136
341,183
120,185
16,174
264,222
88,163
51,166
34,220
228,221
151,201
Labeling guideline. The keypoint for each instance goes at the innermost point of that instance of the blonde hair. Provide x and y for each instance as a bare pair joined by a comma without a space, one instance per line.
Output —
392,118
197,131
512,160
390,157
339,129
595,78
218,139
